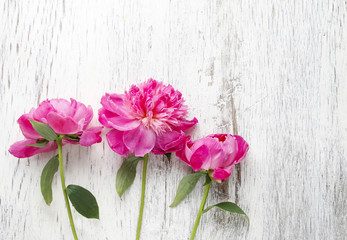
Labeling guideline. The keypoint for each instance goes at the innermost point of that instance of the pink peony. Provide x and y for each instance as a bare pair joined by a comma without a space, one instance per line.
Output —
216,153
148,118
64,117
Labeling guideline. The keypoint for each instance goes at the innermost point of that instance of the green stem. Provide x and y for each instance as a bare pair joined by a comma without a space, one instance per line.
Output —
202,205
144,171
60,150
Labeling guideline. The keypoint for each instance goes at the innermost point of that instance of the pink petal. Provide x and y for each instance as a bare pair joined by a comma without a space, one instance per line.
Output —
122,124
81,112
62,106
220,136
115,141
104,115
199,157
91,136
229,147
170,142
186,153
63,125
242,149
186,124
181,154
21,149
40,114
221,174
218,157
88,116
141,139
114,103
26,127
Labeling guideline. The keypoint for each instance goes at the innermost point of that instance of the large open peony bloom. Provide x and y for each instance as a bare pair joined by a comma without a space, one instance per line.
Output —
148,118
216,153
64,117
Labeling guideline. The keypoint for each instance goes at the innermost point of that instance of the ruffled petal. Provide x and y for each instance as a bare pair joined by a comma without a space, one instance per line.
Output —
169,142
26,127
104,115
21,149
91,136
186,124
40,113
63,125
63,106
221,173
141,139
120,123
229,146
114,103
115,141
81,112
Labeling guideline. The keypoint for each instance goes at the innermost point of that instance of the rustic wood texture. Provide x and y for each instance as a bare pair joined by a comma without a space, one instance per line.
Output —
271,71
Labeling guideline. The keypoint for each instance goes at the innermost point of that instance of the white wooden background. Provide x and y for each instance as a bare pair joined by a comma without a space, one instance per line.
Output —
271,71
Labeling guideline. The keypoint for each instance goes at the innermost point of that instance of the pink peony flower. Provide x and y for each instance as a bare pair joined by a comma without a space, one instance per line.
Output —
216,153
148,118
64,117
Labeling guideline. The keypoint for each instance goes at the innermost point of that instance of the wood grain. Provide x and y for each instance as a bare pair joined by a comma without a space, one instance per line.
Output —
271,71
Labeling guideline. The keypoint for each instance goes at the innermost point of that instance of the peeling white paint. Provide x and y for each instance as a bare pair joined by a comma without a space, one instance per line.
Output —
283,64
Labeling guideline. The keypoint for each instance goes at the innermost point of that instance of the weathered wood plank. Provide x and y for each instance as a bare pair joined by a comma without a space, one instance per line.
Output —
273,72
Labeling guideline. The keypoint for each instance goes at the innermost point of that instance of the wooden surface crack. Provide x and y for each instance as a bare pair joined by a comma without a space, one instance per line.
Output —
235,132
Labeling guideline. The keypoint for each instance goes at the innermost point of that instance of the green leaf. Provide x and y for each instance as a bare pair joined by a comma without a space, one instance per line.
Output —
47,177
83,201
72,137
186,186
229,207
126,174
40,145
44,130
168,155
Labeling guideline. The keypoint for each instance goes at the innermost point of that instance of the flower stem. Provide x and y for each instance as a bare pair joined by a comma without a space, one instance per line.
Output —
202,205
144,172
60,150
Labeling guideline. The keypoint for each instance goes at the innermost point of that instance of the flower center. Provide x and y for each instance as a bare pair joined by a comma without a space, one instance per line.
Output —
156,105
157,125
